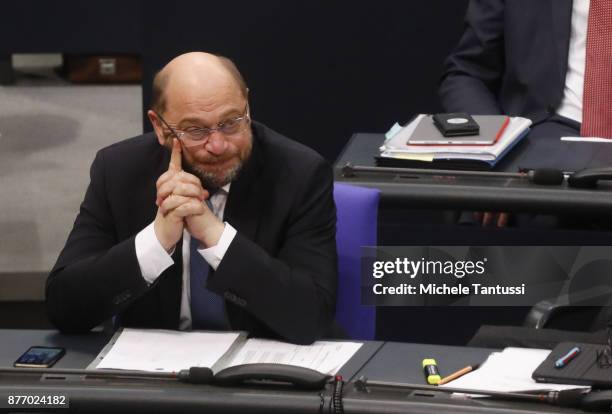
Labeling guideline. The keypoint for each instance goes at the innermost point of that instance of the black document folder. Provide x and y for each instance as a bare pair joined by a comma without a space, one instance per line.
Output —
584,369
442,164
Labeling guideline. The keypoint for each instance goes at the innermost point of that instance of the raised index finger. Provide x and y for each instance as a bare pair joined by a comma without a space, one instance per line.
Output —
175,156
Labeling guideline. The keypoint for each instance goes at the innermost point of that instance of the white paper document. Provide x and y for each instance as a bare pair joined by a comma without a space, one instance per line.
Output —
509,371
166,351
586,139
171,351
326,357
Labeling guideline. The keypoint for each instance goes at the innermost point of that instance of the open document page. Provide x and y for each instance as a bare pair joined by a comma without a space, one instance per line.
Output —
508,371
172,351
326,357
166,351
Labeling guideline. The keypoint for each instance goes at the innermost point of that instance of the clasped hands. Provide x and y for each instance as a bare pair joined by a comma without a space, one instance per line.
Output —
180,202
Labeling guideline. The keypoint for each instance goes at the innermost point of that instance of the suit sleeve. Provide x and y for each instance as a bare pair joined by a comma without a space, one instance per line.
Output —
473,72
294,292
96,275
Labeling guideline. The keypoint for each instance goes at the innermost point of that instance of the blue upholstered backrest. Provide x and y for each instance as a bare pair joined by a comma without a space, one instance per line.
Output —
357,209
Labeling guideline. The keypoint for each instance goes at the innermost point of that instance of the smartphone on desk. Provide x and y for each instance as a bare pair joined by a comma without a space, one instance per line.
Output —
39,357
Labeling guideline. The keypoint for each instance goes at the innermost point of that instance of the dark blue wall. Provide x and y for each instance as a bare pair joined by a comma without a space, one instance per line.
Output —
70,26
318,70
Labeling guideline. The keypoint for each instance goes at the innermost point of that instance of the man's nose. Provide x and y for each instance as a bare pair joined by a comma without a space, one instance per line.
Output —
216,144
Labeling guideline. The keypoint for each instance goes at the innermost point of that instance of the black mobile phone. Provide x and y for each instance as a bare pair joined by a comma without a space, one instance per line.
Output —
40,357
456,124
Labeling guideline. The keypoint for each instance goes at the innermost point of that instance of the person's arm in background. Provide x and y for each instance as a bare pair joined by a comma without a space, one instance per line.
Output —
474,70
473,73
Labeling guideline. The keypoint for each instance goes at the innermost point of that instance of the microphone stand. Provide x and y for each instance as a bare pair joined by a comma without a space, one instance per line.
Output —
576,397
544,176
194,375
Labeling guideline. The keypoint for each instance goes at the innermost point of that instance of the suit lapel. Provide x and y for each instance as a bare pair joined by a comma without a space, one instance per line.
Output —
243,209
247,194
561,15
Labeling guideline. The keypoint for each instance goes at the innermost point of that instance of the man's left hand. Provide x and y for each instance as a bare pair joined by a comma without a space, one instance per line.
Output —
205,227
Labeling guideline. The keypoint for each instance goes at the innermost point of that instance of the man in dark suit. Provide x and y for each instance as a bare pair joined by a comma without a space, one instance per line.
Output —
528,58
212,222
531,58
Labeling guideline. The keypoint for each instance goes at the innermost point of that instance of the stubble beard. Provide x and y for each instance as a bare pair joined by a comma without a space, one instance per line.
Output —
213,181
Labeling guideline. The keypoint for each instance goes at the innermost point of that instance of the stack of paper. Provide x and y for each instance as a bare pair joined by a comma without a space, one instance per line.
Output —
398,147
509,371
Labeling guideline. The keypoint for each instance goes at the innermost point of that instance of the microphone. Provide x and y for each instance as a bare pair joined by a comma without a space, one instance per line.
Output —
299,377
196,375
193,375
545,176
576,397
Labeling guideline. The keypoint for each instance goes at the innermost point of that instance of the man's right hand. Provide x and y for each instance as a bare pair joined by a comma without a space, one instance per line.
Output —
169,227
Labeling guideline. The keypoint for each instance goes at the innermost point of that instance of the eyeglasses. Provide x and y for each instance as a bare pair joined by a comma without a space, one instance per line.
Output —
193,136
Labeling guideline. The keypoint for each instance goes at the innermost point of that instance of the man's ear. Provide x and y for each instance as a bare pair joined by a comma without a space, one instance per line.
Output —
157,127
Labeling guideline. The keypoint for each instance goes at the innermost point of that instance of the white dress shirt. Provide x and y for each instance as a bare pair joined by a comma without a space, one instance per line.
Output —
571,105
153,258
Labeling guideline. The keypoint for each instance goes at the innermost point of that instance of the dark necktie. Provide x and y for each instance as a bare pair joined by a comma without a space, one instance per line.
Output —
207,307
597,99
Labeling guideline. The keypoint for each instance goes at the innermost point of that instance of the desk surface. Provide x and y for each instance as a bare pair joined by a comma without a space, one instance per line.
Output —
501,194
390,361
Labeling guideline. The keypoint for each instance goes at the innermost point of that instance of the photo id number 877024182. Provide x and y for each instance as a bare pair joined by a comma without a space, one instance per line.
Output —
35,401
